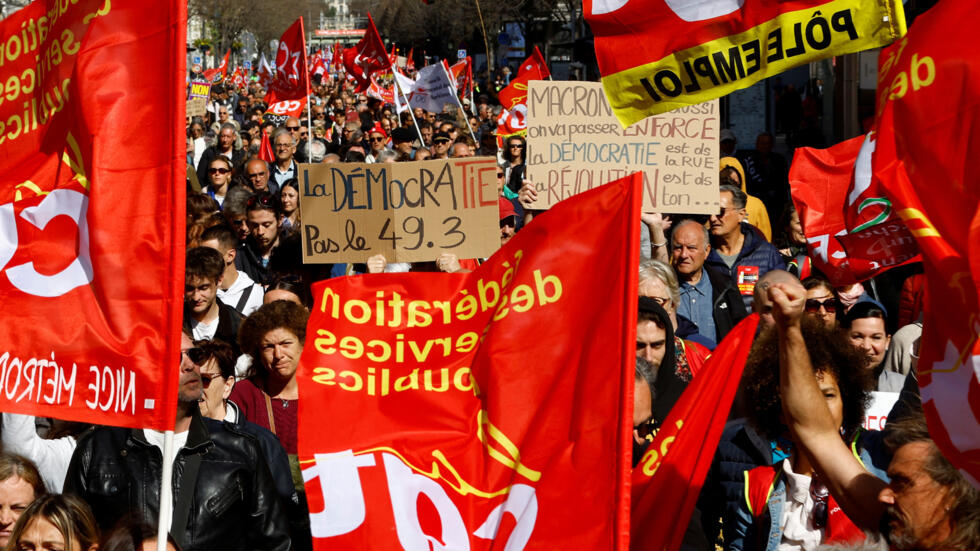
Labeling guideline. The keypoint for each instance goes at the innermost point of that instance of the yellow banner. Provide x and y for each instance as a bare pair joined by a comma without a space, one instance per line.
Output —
730,63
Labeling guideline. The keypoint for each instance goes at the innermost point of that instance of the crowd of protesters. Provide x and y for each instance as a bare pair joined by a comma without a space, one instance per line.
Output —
795,468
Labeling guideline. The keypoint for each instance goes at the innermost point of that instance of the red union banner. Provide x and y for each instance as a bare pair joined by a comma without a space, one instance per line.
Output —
658,55
928,113
292,80
463,411
92,168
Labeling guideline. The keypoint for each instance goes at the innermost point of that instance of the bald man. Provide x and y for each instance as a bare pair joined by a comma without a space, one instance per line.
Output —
257,176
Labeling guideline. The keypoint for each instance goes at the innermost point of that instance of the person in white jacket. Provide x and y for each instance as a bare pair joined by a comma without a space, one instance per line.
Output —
50,456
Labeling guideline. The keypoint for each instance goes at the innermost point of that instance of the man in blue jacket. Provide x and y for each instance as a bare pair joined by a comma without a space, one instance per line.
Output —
738,250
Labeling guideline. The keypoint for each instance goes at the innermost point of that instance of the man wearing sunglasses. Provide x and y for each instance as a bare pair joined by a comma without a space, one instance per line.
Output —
440,145
225,498
738,250
378,142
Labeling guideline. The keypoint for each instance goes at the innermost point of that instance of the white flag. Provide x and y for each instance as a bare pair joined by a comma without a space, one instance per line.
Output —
433,89
404,85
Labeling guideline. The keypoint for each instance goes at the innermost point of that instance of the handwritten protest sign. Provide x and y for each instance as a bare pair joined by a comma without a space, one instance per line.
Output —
197,107
409,212
575,143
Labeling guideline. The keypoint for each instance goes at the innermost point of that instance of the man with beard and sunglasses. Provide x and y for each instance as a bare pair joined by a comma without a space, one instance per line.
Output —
927,505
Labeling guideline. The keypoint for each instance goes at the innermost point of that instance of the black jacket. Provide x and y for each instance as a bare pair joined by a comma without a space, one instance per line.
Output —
229,320
727,307
234,506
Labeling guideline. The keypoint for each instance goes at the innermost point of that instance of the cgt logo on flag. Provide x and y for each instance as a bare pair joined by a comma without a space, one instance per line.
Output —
481,449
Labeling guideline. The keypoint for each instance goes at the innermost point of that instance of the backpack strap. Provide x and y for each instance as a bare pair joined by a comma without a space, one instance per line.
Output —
244,299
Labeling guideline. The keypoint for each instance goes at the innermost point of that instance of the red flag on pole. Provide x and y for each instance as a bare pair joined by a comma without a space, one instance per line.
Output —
92,168
439,431
410,62
928,115
535,63
366,57
219,73
292,81
265,149
685,445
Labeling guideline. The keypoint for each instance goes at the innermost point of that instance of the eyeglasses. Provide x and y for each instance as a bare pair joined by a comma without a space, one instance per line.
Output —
284,145
206,379
218,170
814,305
516,146
500,175
819,493
723,211
292,128
441,142
197,355
647,429
377,139
257,175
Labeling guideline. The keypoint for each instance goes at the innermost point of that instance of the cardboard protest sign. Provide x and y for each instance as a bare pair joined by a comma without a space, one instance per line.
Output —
197,107
575,143
200,89
409,212
86,205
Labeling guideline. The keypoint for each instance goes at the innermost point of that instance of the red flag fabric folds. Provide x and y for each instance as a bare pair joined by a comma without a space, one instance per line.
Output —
92,170
219,73
928,114
444,427
535,63
366,57
674,466
292,81
826,185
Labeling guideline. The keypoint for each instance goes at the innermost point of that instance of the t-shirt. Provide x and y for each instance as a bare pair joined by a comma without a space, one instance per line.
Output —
204,331
156,438
729,259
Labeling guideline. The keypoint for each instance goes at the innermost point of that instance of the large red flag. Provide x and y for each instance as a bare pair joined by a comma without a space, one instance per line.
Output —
658,55
292,79
516,92
464,411
462,73
219,73
928,115
685,445
366,57
92,174
826,185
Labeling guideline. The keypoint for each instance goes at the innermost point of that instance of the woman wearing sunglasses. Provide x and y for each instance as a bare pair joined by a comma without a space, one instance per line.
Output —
821,301
783,504
219,178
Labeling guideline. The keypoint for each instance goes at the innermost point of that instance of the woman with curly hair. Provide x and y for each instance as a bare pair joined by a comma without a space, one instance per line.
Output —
785,506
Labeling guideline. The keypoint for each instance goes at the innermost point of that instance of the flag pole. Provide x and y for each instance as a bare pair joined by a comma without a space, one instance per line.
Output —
410,110
166,491
452,82
486,44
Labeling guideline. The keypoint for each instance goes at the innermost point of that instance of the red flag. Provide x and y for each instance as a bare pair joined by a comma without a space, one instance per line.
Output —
366,57
265,150
338,56
386,95
439,431
513,121
928,113
264,71
535,63
410,62
685,446
516,92
658,55
822,182
219,73
319,67
92,168
292,81
462,73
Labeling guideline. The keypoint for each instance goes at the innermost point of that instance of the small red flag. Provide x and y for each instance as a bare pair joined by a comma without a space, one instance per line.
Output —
219,73
535,63
292,81
265,150
366,57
